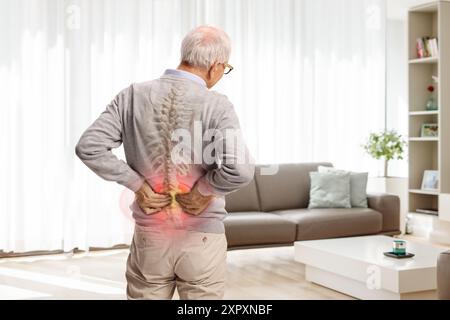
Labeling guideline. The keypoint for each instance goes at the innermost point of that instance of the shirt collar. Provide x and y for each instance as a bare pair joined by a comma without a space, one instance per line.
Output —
185,75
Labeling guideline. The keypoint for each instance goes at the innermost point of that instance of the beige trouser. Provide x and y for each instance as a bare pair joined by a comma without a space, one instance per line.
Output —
160,259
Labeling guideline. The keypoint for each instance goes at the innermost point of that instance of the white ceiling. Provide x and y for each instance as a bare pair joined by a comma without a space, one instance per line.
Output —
396,9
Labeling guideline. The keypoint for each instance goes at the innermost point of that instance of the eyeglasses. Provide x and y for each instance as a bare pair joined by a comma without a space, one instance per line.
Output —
227,68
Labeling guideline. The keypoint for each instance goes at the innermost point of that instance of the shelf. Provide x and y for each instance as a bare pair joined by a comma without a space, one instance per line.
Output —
424,60
424,113
425,192
424,139
426,214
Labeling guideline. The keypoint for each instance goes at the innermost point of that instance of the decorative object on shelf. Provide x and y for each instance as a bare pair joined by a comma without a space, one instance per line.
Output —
429,130
430,180
420,47
427,47
435,79
432,47
387,145
431,104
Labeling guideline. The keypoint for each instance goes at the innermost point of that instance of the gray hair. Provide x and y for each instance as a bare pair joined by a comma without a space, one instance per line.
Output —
204,46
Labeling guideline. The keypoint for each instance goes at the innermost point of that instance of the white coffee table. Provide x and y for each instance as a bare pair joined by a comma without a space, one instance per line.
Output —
357,267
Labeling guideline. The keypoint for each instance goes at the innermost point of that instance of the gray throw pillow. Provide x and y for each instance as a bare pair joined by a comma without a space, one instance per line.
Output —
329,190
358,186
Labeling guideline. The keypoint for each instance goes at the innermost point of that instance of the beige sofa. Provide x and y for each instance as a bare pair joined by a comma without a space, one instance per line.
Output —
272,211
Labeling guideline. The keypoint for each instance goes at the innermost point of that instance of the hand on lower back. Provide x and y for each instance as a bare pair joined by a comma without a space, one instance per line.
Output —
193,202
149,201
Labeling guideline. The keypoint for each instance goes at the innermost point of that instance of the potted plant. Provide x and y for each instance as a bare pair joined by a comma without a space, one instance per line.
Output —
387,145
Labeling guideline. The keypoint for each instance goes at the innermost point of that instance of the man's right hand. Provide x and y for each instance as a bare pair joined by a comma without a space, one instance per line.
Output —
193,202
149,201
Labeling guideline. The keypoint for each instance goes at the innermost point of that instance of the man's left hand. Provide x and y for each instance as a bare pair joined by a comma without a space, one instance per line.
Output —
193,202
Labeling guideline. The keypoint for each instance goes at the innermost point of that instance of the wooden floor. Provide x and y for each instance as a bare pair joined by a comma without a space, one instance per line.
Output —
269,273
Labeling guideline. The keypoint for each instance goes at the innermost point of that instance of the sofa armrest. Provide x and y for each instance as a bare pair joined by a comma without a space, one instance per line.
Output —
389,206
443,276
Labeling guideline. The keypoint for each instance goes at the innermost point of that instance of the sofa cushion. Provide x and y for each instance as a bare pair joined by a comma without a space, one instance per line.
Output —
245,199
329,190
313,224
288,188
258,228
358,186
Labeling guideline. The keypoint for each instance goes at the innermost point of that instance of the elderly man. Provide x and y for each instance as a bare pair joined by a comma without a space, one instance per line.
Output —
179,183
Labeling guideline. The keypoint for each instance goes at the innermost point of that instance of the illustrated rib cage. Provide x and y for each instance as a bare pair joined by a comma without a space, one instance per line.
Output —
170,115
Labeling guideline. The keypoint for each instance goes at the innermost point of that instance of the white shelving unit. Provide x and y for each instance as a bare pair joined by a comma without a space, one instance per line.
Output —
429,20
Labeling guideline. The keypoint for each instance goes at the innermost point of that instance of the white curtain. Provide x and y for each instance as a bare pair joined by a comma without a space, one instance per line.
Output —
308,85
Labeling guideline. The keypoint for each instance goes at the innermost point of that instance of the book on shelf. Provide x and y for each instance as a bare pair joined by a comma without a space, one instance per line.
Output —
427,211
427,47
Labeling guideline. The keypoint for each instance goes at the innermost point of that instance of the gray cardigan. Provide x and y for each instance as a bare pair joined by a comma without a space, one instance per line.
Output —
155,121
